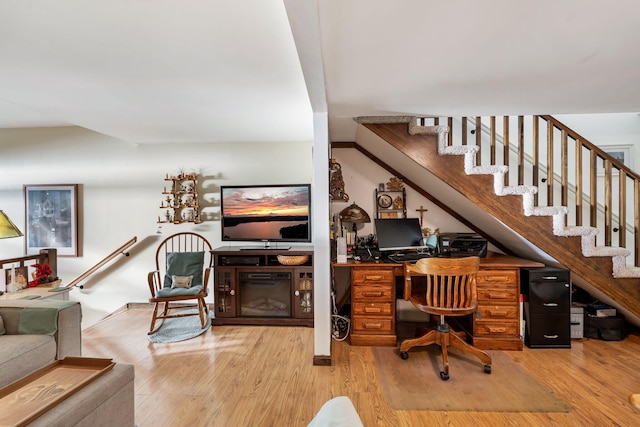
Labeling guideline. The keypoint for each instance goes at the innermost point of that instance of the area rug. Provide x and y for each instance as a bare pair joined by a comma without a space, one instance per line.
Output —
415,384
179,329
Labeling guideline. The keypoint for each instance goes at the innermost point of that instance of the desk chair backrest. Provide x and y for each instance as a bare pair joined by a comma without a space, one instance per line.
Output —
450,287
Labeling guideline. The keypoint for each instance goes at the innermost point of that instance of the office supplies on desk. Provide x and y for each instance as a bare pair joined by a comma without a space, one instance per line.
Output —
462,245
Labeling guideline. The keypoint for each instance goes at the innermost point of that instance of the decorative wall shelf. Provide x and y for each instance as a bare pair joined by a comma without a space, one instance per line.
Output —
181,200
391,200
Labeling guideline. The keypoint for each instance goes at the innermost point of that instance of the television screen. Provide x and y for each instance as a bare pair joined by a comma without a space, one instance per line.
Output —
396,234
268,213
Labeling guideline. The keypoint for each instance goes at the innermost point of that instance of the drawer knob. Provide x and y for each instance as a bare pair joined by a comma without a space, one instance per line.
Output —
377,277
372,310
550,304
551,337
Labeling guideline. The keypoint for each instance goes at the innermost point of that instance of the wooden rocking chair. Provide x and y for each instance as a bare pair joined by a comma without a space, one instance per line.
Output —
183,266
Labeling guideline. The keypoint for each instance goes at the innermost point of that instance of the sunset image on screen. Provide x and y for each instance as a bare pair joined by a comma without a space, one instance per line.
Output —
266,201
266,212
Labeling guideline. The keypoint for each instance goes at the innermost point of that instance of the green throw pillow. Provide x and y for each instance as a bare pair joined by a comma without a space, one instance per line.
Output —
184,264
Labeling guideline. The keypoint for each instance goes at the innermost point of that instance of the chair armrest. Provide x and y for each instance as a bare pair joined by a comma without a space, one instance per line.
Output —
407,281
69,325
154,282
69,334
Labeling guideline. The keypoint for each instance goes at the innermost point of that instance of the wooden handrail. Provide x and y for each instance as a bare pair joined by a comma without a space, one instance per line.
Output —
108,258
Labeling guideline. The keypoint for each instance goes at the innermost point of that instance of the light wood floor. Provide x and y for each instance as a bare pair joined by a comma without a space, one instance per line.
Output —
263,376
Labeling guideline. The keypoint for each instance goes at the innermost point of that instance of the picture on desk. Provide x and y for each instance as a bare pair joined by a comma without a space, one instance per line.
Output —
19,276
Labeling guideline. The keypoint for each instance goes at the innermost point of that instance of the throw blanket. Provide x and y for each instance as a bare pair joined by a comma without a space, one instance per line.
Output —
41,317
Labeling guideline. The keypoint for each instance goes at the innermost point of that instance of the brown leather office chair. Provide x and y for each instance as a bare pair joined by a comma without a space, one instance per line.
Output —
183,265
450,290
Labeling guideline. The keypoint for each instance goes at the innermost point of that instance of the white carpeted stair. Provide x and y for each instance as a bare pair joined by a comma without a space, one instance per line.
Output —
587,234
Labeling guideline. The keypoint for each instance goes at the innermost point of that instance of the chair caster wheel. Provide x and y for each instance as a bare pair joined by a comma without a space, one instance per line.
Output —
443,376
404,355
487,369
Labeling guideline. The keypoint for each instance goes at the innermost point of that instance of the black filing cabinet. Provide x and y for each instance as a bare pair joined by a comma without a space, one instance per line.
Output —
548,307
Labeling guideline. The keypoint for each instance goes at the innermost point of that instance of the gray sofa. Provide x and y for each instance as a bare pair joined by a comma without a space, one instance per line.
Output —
106,401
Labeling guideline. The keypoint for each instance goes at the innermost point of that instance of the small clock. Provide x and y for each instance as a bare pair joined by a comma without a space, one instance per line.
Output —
384,201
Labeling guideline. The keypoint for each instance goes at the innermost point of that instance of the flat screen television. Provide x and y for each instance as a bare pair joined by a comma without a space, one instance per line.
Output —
266,213
399,234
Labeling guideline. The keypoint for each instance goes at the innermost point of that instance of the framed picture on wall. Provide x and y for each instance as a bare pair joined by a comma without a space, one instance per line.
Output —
51,218
621,153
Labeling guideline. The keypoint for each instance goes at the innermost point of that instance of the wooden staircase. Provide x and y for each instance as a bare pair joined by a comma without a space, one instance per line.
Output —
544,226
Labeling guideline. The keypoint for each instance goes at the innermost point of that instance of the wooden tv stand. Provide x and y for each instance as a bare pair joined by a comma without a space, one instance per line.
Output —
252,287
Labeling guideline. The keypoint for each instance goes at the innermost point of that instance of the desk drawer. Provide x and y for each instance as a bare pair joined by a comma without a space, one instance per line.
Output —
489,327
372,275
373,325
497,294
498,312
497,276
372,293
372,308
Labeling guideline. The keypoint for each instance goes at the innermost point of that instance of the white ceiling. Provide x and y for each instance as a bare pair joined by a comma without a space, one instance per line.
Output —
231,70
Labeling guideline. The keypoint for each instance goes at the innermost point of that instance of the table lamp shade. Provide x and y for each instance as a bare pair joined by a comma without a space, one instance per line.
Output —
354,214
8,228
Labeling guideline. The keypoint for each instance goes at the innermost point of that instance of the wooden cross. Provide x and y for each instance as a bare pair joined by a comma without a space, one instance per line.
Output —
422,210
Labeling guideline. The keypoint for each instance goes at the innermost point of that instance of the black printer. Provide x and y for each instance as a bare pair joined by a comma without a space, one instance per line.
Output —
462,244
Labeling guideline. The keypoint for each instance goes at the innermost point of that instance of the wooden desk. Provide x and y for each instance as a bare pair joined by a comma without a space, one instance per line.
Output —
373,294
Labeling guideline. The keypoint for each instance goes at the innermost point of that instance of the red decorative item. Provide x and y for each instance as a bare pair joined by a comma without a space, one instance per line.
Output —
41,275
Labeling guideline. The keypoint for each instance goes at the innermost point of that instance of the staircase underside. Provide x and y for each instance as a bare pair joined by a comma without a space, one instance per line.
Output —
595,270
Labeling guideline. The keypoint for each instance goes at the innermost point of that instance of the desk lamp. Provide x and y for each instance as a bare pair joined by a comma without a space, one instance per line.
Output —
354,214
8,228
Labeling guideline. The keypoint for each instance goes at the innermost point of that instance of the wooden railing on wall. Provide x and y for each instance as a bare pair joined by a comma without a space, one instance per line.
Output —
112,255
599,190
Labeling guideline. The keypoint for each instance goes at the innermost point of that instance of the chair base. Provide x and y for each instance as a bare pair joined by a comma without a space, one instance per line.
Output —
444,337
203,313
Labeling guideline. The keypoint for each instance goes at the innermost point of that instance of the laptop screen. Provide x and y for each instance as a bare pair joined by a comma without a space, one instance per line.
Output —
396,234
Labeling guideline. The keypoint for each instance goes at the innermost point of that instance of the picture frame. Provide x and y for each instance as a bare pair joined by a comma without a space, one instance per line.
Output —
18,276
51,218
620,152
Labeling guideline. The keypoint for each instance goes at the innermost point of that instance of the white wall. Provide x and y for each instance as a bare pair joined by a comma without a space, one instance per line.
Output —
120,195
361,177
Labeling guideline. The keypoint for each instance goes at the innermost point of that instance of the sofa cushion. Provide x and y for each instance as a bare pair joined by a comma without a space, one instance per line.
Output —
20,355
106,401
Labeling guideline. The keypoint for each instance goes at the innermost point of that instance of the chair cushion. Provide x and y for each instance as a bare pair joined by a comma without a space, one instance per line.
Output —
184,264
178,292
